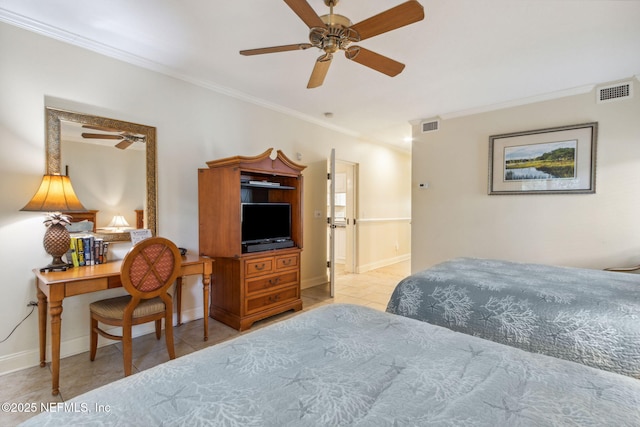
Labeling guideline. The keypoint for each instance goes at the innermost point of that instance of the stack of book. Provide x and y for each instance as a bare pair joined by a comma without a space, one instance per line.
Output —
87,250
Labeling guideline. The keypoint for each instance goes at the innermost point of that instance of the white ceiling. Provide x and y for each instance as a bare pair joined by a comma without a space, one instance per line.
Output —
465,55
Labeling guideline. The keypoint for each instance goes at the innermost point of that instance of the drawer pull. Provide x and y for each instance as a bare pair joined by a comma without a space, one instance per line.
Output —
261,266
274,282
287,261
274,298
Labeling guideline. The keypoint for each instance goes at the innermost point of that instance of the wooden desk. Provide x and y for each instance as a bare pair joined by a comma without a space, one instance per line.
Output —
54,287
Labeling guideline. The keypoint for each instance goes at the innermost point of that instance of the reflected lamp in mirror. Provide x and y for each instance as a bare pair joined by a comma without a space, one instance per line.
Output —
55,195
118,224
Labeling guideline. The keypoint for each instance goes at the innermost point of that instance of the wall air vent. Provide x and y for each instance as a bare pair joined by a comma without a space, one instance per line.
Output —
614,92
430,126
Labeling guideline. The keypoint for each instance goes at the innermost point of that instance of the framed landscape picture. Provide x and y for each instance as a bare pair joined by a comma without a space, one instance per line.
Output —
546,161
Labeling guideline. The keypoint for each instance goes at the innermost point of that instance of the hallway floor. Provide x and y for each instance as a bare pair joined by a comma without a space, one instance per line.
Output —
79,375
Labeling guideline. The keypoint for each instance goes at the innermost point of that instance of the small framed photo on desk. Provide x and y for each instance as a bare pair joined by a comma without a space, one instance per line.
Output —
139,235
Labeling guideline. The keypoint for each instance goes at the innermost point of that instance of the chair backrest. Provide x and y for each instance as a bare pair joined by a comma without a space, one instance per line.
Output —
150,267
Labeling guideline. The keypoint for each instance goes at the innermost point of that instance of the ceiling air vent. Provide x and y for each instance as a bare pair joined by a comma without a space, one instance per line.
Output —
430,126
614,92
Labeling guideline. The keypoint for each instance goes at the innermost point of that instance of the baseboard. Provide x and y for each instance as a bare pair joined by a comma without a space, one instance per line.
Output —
383,263
18,361
30,358
314,281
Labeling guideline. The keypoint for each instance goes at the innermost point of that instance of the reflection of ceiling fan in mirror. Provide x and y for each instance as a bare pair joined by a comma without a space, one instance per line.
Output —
332,32
125,138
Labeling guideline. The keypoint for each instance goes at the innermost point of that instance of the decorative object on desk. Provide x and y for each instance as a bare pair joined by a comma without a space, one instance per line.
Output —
139,235
55,195
87,249
118,224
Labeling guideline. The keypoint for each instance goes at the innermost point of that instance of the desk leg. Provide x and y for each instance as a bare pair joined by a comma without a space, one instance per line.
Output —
55,311
179,299
206,281
42,325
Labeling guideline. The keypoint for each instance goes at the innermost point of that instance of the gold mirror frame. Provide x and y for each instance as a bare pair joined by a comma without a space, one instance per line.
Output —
53,118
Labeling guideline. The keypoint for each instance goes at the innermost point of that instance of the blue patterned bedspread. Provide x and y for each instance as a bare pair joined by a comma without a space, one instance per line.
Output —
586,316
352,365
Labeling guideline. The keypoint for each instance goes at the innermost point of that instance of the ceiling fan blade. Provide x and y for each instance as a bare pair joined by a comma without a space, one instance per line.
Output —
124,144
374,61
274,49
320,71
100,136
102,128
305,12
404,14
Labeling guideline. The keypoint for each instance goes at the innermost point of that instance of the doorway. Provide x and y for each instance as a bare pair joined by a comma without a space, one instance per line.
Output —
342,218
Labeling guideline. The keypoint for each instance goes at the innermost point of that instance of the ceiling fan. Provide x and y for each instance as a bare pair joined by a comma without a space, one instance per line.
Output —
125,138
333,32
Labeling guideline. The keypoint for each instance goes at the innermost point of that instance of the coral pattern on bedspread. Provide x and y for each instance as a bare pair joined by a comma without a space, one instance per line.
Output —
351,365
586,316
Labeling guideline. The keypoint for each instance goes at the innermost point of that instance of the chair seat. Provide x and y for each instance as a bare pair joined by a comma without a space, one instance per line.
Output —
113,308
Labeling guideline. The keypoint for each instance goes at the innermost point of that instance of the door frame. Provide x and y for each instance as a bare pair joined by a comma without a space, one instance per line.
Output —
350,213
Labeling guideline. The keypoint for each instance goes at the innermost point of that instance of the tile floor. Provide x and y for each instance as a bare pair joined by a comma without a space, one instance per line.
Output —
79,375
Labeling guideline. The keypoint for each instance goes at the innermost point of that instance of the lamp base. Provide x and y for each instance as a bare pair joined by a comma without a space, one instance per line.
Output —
56,261
51,267
56,243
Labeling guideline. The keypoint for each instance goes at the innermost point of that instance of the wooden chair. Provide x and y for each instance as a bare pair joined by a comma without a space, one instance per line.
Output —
148,270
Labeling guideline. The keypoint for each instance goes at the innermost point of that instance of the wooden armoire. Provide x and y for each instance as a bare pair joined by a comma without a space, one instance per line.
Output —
249,285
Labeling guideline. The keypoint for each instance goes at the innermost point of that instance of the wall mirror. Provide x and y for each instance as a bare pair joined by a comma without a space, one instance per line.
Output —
112,165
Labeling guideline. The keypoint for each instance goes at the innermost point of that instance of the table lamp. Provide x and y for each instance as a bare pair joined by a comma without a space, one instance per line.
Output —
54,196
118,223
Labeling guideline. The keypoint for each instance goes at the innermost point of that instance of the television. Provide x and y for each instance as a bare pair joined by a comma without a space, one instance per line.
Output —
265,222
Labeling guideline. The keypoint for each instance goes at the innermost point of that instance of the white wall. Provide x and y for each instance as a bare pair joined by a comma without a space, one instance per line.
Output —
384,226
456,217
193,124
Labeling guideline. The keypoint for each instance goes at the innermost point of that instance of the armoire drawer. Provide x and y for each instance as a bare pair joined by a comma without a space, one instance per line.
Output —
285,262
273,299
257,267
260,284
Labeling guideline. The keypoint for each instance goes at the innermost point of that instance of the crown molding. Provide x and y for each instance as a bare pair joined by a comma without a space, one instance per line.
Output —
100,48
519,102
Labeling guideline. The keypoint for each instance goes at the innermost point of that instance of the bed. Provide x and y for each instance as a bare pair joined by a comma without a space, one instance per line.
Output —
351,365
586,316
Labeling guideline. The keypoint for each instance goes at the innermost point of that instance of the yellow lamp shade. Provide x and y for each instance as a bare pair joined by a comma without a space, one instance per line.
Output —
54,195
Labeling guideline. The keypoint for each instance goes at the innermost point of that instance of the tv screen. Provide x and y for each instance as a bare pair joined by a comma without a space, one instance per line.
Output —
265,222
